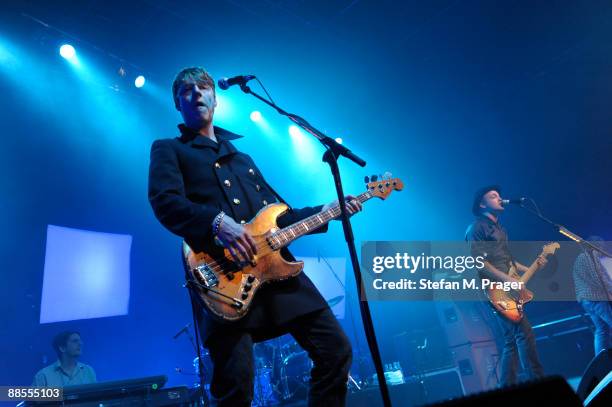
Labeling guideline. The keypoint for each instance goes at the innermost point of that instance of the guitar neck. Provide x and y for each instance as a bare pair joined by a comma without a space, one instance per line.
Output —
285,236
530,272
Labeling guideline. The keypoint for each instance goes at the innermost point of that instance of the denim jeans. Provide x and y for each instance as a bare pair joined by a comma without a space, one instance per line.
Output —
601,315
519,343
318,333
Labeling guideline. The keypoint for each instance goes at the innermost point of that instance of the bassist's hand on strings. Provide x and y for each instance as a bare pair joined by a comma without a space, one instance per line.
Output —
235,238
352,205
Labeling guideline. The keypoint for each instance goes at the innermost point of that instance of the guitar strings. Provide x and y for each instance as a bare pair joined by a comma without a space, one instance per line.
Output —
264,247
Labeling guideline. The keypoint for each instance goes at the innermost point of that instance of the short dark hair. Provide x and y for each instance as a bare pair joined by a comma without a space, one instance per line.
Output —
195,73
61,339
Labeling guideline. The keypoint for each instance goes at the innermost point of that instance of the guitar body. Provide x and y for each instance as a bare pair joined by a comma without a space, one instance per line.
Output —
226,289
510,303
217,273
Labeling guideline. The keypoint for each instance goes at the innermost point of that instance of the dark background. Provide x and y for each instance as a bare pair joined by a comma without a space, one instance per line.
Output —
447,95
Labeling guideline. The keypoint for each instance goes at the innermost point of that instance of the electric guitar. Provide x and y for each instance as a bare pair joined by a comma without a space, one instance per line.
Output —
510,303
227,290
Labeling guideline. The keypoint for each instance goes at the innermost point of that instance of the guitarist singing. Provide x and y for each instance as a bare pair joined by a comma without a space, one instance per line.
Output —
203,189
488,237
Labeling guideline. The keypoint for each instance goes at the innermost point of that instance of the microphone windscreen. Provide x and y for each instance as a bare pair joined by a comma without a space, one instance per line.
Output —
223,84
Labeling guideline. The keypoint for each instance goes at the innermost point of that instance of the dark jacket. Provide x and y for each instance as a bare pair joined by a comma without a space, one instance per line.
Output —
192,179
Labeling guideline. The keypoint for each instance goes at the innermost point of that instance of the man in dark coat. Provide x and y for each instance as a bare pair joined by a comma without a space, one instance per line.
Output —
203,189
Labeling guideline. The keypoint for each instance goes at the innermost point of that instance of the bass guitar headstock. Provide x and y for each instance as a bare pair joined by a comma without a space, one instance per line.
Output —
383,188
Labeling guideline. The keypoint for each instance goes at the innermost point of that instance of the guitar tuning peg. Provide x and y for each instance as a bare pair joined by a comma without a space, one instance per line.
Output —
387,175
366,179
374,178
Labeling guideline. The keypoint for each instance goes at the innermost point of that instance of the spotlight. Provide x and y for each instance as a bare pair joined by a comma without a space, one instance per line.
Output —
339,140
139,81
302,144
256,116
67,51
294,131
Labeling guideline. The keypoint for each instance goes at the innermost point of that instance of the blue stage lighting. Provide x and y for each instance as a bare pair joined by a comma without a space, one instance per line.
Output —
68,52
294,131
7,56
339,140
139,81
256,116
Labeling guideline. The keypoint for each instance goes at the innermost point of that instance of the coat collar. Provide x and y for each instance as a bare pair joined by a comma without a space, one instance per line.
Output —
189,135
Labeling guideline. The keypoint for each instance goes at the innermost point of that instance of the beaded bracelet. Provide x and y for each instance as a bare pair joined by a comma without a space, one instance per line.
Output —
217,223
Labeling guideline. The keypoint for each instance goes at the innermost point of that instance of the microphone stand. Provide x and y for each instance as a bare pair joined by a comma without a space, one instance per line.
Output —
588,247
350,312
334,151
203,399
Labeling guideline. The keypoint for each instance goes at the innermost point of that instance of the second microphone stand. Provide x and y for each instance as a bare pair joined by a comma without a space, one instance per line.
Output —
588,247
334,151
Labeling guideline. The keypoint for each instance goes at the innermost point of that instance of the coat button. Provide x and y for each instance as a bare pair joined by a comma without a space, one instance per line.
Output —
227,183
217,165
264,202
251,171
236,201
242,222
257,187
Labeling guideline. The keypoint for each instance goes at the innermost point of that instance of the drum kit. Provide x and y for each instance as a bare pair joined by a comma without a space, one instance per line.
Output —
282,369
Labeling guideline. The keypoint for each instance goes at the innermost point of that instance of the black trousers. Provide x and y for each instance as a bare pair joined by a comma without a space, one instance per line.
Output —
519,343
318,333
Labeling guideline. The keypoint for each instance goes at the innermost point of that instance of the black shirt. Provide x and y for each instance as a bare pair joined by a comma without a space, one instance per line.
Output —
490,240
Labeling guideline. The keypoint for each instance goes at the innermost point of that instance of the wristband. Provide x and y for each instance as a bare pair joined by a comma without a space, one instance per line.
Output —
217,223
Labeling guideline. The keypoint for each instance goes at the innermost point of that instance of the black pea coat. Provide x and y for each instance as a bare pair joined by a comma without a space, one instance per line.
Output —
191,180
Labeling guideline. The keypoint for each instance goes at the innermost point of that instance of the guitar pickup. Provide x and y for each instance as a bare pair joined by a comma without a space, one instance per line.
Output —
207,275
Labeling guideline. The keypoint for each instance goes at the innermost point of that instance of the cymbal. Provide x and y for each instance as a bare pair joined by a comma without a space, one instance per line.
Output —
334,301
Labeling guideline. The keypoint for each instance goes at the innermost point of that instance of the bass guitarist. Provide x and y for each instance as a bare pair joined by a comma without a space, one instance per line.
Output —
203,189
489,238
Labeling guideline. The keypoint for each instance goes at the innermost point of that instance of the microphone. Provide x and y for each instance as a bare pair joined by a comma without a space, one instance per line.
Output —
225,83
183,330
515,201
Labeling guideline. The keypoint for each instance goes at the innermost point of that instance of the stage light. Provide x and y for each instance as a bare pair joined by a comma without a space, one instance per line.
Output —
225,112
294,131
139,81
339,140
68,52
303,144
7,57
256,116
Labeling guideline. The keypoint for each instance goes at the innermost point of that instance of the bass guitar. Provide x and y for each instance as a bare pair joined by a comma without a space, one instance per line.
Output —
226,289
